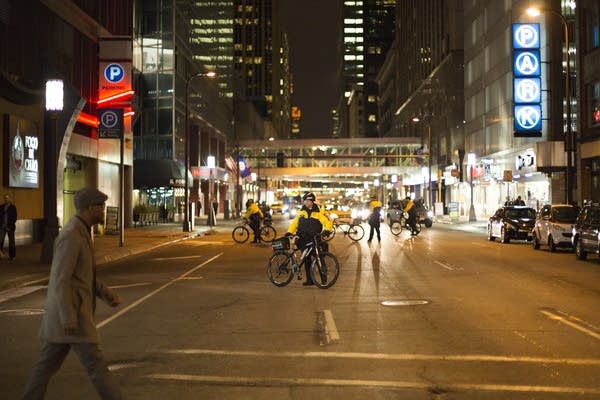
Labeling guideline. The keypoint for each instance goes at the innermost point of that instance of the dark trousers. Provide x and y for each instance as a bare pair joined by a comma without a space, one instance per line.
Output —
412,222
374,228
255,225
51,359
12,251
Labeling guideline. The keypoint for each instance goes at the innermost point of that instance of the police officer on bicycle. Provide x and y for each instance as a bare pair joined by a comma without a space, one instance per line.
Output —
308,222
254,215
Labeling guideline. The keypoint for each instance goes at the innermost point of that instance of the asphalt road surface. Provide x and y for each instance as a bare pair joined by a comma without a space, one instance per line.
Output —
444,315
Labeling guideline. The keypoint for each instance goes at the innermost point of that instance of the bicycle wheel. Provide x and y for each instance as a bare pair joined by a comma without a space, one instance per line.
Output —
418,228
325,270
356,232
240,234
331,234
396,228
267,233
279,268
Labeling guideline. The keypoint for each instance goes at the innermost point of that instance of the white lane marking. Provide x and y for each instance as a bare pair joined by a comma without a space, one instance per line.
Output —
130,285
23,312
192,278
140,301
175,258
255,381
397,357
444,265
330,328
18,292
566,319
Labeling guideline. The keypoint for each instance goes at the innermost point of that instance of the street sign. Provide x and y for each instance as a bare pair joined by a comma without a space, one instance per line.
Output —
527,82
111,123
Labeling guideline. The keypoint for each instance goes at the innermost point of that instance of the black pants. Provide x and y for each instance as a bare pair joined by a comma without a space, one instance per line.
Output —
412,222
12,251
374,228
255,225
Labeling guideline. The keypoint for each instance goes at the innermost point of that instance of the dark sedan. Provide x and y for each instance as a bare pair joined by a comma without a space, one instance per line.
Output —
511,222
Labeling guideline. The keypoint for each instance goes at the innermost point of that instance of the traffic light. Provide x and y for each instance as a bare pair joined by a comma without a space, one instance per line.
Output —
279,160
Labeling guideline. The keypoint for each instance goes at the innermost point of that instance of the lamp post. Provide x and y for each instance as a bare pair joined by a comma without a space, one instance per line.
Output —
471,161
210,163
54,106
569,142
428,155
186,148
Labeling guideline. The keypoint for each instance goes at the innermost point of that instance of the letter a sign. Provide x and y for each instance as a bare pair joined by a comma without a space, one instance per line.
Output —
527,82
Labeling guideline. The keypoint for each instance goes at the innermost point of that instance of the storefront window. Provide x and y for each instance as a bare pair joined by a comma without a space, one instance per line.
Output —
595,104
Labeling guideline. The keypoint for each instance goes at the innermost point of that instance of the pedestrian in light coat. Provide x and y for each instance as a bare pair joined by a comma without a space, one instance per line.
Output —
68,322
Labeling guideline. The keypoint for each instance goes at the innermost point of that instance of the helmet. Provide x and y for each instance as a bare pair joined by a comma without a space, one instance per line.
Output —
309,196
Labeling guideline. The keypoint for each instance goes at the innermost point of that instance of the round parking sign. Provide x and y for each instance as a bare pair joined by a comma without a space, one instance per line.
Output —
114,73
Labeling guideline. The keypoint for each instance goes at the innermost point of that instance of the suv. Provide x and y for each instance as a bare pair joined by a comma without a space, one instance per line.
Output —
394,212
554,226
585,232
511,222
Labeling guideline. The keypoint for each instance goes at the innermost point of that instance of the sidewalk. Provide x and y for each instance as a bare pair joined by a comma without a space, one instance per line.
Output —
27,270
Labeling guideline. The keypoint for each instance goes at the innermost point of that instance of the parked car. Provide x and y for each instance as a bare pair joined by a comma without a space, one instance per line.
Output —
511,222
585,231
554,226
394,212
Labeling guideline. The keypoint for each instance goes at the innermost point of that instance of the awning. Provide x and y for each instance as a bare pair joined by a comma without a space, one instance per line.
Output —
159,173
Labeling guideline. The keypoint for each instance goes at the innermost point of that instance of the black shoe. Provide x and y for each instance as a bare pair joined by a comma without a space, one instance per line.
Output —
308,283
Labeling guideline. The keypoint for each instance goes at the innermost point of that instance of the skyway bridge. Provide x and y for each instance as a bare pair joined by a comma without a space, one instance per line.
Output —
337,161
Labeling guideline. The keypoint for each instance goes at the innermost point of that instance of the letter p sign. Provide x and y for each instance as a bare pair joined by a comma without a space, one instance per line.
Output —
114,73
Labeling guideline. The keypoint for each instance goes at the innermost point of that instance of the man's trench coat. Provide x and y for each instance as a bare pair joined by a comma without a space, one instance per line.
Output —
70,297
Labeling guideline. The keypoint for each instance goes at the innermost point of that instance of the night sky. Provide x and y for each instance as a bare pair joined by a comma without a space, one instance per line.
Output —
314,63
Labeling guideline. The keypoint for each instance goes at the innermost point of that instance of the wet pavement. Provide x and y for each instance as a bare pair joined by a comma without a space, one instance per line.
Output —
26,269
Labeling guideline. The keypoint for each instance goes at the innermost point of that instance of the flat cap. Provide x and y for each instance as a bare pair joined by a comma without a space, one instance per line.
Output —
88,197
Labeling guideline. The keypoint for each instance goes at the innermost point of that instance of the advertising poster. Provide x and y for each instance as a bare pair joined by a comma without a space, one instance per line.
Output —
21,158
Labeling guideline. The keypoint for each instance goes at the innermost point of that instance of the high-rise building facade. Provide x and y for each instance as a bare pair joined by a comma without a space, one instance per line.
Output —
182,106
379,27
428,84
588,98
367,34
211,36
509,163
261,71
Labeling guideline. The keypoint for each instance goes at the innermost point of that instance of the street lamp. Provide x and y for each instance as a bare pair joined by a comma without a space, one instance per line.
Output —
470,162
210,163
186,151
54,106
428,155
569,142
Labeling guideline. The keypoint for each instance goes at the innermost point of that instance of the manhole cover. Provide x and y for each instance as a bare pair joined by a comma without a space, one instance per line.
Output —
23,312
398,303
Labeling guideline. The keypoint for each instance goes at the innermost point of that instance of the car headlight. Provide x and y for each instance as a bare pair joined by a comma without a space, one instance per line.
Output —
430,214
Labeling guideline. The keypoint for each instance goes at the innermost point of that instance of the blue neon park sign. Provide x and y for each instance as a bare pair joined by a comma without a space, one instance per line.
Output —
527,81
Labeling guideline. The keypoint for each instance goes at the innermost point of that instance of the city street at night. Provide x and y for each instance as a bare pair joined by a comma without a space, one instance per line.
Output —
443,315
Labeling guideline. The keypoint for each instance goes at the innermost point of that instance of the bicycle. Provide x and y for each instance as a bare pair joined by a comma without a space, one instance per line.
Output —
396,226
241,233
353,230
286,262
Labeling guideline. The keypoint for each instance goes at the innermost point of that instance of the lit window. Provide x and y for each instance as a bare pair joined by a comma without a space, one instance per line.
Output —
372,118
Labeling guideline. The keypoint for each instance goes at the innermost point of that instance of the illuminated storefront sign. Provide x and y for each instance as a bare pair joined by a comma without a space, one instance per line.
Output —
23,144
527,83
